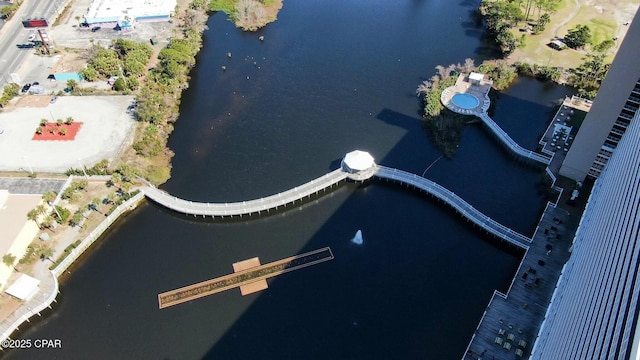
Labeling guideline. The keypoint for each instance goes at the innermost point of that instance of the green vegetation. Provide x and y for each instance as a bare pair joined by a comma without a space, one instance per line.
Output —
101,168
538,71
125,59
9,92
588,76
502,16
601,30
578,37
66,253
250,15
8,11
445,127
500,72
8,259
64,214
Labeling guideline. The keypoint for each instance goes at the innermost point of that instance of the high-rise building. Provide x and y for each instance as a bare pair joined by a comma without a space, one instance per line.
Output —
594,310
613,108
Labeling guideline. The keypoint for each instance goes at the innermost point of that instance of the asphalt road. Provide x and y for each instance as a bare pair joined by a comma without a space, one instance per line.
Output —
31,186
12,33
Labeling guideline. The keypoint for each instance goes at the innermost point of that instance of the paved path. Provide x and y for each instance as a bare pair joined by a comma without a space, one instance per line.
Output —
511,144
315,186
245,207
456,202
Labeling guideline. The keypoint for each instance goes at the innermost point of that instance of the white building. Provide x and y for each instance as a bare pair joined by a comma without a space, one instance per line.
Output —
17,231
594,310
113,11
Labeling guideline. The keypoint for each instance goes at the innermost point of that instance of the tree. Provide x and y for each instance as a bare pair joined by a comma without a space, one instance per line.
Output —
77,218
69,120
119,84
604,46
578,37
33,215
71,84
39,130
63,131
59,122
43,122
95,202
49,196
9,259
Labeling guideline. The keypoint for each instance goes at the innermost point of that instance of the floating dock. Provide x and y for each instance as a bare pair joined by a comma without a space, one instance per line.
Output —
248,275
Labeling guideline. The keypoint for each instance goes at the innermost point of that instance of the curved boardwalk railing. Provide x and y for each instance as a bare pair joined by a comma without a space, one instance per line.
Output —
245,207
461,206
95,234
511,144
48,290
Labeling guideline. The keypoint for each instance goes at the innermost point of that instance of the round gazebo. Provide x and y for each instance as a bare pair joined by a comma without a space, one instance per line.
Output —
358,164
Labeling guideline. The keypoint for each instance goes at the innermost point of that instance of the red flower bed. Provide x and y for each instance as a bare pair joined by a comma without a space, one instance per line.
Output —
72,130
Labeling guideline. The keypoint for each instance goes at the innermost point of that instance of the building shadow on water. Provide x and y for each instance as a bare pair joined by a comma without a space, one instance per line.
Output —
415,288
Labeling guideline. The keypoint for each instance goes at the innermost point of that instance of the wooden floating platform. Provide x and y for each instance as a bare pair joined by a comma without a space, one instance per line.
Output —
256,286
247,273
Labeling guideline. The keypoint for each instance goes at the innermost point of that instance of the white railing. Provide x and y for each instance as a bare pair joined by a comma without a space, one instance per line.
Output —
31,307
245,207
461,206
95,234
511,144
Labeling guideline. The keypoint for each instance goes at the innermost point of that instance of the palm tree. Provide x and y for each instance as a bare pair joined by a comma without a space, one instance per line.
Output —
94,204
71,84
69,121
39,130
59,122
49,196
42,209
33,215
44,122
9,259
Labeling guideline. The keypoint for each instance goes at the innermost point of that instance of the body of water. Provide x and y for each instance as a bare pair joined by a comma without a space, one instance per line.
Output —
330,76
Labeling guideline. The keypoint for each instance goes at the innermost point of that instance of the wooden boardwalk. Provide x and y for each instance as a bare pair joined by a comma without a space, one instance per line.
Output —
515,317
510,144
244,277
456,202
315,186
249,207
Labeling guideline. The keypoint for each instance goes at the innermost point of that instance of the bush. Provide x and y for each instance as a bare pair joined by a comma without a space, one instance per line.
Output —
64,214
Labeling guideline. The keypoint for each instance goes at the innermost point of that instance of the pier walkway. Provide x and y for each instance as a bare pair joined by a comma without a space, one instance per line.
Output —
480,91
249,207
510,144
243,277
456,202
315,186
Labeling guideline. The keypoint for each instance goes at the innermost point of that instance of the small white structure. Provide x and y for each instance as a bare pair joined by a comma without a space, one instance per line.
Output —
24,288
476,78
357,161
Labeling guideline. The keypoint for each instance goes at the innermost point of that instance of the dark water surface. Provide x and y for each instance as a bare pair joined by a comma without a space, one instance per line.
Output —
331,76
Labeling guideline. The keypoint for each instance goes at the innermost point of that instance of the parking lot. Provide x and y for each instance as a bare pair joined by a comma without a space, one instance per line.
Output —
106,128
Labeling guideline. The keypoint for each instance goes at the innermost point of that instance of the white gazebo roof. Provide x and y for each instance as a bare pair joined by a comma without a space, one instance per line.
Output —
24,288
476,76
358,160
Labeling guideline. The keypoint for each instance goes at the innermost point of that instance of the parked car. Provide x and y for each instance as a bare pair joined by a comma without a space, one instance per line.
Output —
25,46
26,87
35,83
95,28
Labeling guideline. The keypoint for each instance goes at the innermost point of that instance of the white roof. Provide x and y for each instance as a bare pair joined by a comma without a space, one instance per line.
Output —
24,288
358,160
476,76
